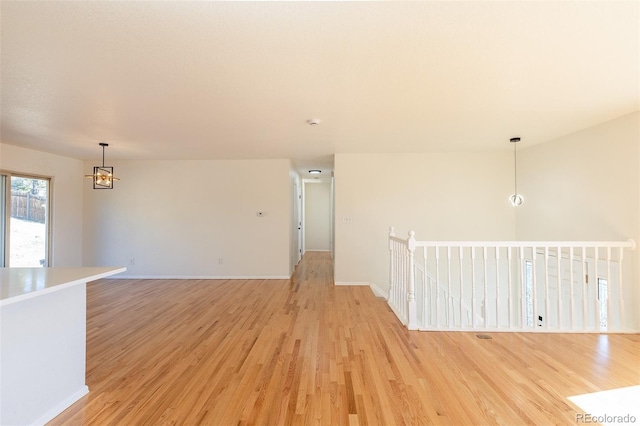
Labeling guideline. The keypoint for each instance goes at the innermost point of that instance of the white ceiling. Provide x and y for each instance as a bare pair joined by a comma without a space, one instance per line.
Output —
235,80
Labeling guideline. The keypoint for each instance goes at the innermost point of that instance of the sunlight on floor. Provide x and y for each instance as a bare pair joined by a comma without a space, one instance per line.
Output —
610,407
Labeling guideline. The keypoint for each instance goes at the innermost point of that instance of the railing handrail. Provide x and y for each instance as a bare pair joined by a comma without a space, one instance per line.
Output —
398,239
630,244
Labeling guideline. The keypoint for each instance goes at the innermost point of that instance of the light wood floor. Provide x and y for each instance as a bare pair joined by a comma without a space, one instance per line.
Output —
218,352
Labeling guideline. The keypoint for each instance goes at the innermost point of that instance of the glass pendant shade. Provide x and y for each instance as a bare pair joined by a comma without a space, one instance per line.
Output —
516,200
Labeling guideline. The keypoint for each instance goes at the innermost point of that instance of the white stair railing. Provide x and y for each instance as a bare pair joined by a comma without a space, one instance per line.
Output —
509,285
451,305
399,277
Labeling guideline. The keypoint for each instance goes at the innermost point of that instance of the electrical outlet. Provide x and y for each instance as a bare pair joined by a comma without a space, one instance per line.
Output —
220,261
132,261
347,219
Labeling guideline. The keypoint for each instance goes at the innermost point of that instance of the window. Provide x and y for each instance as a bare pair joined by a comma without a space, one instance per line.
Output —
24,232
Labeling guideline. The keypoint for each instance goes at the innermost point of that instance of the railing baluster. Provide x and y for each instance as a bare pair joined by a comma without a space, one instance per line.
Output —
534,273
571,292
596,257
437,285
461,256
585,284
403,280
426,292
393,273
523,298
485,301
400,288
473,286
412,316
497,253
546,286
559,272
620,295
608,301
449,297
392,234
405,292
510,282
396,278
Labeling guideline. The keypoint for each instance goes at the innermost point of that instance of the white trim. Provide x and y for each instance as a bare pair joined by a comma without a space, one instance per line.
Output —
351,283
200,277
483,330
55,411
402,319
316,250
379,292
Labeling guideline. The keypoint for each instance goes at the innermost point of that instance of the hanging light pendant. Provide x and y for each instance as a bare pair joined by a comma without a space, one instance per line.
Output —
516,199
102,176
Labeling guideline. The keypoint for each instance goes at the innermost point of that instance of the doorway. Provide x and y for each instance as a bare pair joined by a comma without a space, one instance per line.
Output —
24,232
317,215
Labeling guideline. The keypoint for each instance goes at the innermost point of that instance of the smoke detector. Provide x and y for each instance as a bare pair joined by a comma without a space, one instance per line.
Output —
313,122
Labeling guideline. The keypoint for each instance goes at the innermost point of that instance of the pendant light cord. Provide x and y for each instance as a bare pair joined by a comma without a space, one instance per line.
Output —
515,168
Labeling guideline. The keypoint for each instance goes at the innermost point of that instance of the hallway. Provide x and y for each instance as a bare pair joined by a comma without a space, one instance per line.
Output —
302,351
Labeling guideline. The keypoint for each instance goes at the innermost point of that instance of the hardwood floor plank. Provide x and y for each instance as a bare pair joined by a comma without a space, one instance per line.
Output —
303,351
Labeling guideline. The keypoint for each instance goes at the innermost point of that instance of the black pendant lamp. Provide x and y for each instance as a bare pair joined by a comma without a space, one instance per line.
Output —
102,176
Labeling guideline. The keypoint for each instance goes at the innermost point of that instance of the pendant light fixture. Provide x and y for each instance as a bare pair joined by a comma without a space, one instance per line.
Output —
516,199
102,175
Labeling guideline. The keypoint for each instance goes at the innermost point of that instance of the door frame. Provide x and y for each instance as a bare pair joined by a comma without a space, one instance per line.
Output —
304,209
5,242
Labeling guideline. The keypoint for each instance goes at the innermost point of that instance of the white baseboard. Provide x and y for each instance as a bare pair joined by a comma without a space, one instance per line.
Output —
200,277
379,292
52,413
350,283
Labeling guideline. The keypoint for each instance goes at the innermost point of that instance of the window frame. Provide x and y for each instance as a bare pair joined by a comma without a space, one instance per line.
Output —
5,240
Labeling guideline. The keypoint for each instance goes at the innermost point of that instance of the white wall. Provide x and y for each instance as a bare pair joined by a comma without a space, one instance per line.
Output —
317,215
66,196
443,196
585,186
178,218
